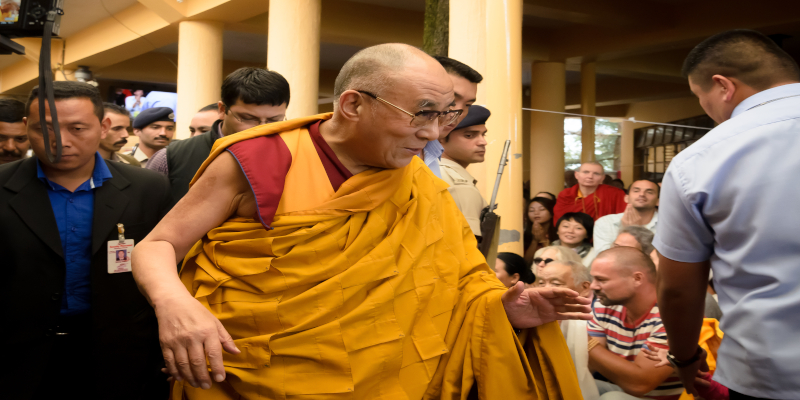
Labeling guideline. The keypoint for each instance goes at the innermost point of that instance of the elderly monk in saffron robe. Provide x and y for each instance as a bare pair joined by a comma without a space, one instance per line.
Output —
330,263
590,195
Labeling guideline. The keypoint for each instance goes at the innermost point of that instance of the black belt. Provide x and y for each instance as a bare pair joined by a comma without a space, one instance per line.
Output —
73,325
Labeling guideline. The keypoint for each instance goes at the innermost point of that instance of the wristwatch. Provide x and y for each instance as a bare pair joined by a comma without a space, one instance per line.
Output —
683,364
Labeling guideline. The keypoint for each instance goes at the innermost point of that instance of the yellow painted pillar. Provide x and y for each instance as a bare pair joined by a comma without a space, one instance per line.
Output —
199,70
548,92
467,43
487,35
626,157
588,96
293,51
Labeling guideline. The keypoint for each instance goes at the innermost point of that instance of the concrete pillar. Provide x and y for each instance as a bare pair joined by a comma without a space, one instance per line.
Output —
588,96
293,51
626,157
467,43
199,70
548,92
487,35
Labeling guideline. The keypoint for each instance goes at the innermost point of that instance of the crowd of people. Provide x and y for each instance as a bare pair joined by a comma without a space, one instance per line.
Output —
336,255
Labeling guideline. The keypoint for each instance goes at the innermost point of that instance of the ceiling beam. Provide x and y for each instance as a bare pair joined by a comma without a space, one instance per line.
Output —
607,14
682,29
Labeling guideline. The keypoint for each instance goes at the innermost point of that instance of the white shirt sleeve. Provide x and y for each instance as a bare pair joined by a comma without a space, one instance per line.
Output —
605,232
683,233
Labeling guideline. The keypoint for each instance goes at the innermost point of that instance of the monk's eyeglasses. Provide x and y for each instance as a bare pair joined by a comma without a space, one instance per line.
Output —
423,117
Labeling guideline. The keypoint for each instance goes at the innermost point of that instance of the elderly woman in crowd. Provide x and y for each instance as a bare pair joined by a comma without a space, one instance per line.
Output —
510,268
575,231
540,231
545,256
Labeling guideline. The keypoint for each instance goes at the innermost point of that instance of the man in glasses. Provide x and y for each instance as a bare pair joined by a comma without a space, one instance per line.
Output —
250,97
328,261
465,89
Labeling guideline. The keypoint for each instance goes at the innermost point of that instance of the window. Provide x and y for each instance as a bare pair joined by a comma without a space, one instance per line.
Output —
607,141
656,146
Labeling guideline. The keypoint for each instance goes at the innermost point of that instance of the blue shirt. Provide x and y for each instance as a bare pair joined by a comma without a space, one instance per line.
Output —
74,212
731,198
432,153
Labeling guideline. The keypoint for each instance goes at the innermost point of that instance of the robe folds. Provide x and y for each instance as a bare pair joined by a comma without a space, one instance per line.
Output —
373,291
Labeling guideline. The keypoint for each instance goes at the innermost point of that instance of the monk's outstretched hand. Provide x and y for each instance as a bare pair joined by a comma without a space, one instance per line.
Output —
189,334
528,308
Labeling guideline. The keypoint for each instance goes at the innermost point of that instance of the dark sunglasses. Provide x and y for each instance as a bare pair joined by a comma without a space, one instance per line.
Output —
538,260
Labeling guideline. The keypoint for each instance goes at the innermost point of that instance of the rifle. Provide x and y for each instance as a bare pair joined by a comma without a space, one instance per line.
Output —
490,222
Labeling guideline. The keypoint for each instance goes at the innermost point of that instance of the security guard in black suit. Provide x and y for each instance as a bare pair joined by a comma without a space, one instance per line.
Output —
74,323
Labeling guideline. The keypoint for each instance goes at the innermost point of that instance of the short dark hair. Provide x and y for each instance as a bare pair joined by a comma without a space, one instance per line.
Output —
458,68
744,54
515,264
658,187
581,218
116,109
69,90
214,107
255,86
11,110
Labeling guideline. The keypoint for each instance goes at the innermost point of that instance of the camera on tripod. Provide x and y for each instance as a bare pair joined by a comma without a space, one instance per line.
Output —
26,18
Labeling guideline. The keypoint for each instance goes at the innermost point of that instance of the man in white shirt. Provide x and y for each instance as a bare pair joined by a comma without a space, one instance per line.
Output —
728,203
642,199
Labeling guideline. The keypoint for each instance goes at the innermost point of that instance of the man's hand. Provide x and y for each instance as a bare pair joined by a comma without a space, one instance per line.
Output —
631,217
528,308
189,333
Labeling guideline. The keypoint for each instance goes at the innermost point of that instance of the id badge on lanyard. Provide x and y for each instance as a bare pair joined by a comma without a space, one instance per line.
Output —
119,253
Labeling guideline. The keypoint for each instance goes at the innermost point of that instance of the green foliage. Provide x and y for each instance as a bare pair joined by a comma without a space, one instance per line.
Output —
435,37
606,143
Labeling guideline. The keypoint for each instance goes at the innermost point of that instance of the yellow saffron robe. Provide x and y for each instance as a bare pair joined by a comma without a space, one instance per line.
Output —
376,291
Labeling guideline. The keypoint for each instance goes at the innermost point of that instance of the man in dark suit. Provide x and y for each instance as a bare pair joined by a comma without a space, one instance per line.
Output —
71,328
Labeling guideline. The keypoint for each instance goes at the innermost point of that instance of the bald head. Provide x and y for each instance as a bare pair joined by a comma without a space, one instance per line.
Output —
590,175
628,260
375,68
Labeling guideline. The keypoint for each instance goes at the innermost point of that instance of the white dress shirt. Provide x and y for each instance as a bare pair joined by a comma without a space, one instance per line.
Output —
606,230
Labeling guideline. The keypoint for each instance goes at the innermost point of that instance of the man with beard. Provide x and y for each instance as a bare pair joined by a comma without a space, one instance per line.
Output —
642,210
14,142
155,128
117,135
625,319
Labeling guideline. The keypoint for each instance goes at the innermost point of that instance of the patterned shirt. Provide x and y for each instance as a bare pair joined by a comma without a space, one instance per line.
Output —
626,340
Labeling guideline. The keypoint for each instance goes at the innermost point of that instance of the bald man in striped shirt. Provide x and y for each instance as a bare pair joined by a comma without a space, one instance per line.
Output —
625,319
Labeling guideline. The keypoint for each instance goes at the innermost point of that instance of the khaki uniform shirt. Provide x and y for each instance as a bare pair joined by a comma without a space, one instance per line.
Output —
464,192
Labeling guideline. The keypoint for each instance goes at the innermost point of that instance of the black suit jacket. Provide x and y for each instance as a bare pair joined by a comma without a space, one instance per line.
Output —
126,350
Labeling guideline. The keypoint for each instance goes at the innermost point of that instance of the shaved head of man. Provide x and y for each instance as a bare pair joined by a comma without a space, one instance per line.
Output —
389,102
621,274
590,175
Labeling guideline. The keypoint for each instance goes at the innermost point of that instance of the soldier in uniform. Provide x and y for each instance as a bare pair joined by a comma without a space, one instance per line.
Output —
466,145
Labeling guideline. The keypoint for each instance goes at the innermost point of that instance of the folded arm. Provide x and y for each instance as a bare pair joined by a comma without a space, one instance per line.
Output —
636,378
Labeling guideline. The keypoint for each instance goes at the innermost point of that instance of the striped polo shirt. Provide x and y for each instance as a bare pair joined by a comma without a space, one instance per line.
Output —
626,340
